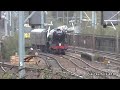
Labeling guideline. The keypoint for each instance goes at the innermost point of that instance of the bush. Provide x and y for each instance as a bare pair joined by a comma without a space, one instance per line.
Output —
10,46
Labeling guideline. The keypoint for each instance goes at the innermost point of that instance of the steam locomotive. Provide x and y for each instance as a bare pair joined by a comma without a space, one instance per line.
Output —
53,41
57,41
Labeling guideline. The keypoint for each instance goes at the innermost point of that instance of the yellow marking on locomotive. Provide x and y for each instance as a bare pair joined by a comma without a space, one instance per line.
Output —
26,35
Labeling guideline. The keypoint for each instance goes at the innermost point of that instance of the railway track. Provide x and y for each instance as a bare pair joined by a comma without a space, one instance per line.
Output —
110,56
14,69
54,65
85,67
107,54
77,57
67,61
8,67
51,64
54,57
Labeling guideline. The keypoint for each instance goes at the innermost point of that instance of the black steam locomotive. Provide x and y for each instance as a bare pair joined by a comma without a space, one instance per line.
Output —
57,42
52,42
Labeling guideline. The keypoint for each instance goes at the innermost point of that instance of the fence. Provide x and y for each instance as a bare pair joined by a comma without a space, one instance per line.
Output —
103,43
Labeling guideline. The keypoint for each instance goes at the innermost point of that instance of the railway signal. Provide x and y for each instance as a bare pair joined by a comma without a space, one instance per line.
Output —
109,18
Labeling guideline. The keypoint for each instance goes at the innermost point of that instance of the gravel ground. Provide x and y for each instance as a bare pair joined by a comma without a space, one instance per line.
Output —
43,73
108,68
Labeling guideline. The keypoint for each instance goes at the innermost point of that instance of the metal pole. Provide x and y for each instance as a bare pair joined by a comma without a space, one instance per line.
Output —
81,17
95,19
63,17
117,43
57,15
21,45
5,24
0,51
8,23
23,36
12,23
73,34
93,27
42,19
76,17
67,17
10,16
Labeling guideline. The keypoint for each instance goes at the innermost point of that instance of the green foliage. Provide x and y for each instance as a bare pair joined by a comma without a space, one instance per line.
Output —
101,31
27,43
10,46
